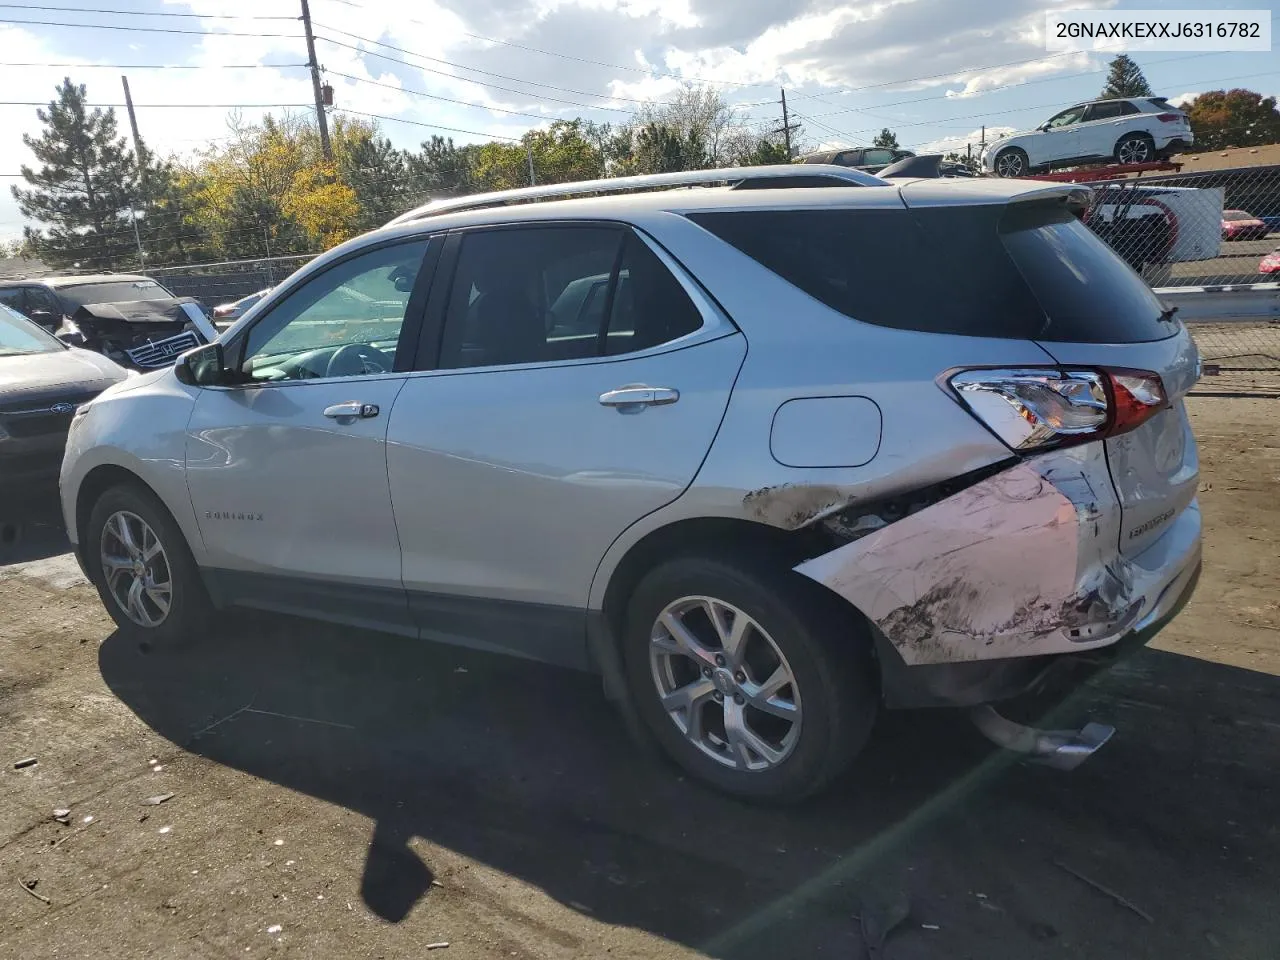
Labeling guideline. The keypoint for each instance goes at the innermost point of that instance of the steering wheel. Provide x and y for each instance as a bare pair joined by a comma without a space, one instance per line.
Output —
354,359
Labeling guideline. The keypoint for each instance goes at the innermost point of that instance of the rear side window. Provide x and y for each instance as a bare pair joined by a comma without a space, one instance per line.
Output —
546,294
1027,271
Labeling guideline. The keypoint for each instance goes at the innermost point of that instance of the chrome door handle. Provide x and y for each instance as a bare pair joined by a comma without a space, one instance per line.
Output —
639,396
351,410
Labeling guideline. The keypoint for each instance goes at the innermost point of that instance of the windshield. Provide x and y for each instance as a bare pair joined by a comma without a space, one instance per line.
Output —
19,336
113,291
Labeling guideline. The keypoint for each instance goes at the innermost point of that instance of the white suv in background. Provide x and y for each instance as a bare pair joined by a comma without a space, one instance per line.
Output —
1136,130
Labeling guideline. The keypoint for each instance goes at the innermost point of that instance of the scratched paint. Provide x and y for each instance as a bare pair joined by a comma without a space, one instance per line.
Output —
1023,562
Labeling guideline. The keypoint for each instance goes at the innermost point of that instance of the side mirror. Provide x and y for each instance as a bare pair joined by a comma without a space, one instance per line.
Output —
202,367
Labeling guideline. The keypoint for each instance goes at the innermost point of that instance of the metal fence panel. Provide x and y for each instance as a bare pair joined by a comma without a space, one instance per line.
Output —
217,283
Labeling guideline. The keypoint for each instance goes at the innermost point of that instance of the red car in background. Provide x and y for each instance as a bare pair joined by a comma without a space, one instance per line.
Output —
1242,225
1271,263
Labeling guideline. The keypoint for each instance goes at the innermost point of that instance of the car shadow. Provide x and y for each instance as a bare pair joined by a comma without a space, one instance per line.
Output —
526,769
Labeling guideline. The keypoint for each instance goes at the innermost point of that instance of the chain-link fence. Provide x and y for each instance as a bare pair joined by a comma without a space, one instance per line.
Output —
1209,229
215,284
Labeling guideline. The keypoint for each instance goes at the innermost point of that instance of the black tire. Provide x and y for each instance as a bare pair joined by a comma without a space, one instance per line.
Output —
1134,145
1014,159
823,641
190,611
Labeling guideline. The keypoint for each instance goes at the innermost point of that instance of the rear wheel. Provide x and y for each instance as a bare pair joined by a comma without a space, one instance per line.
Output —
144,572
1012,162
1135,148
753,681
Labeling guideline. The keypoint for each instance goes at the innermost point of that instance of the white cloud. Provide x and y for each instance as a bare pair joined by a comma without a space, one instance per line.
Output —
984,81
957,144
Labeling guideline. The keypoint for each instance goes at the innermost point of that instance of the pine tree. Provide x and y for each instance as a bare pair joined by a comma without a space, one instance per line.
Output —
85,187
886,138
1125,80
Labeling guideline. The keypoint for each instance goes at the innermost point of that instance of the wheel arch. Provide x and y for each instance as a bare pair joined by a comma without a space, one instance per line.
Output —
1129,135
723,535
95,483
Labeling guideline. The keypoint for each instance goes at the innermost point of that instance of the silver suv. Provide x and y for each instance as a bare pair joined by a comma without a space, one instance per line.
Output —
729,446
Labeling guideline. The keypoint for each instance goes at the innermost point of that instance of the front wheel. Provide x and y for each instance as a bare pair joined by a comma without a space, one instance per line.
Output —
752,680
142,568
1012,162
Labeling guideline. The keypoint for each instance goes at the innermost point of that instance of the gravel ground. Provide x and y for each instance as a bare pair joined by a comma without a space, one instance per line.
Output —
340,794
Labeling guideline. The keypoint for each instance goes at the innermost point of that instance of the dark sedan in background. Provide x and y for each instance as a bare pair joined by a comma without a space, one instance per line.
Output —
42,382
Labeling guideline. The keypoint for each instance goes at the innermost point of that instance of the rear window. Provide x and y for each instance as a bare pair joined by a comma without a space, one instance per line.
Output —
1026,271
113,291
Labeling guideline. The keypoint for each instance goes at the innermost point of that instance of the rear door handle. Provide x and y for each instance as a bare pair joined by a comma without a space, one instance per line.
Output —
351,410
639,396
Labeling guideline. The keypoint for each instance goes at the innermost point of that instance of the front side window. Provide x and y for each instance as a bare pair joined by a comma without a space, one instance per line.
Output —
344,322
878,156
1066,118
14,299
546,294
19,336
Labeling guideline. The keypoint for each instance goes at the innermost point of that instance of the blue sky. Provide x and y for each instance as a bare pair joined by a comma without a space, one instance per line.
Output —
936,71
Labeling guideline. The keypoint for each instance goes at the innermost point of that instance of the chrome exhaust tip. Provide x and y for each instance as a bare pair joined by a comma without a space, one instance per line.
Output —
1059,749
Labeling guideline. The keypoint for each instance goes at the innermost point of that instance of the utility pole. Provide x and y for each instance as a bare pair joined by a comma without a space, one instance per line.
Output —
786,124
321,118
533,179
142,168
137,138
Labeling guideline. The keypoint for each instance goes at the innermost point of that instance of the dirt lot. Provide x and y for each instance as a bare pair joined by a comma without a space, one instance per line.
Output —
338,794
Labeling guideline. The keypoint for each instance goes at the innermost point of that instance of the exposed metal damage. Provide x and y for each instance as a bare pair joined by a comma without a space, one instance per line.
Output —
1022,562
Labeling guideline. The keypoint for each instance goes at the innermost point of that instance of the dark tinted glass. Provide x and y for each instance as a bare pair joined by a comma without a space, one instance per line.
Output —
13,297
542,294
650,307
529,295
1105,111
1028,271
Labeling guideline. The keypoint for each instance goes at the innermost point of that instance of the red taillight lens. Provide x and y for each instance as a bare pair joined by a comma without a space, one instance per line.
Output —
1031,408
1169,117
1136,396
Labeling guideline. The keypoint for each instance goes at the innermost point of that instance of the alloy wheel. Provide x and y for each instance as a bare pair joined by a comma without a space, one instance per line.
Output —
1136,150
1009,164
135,569
725,683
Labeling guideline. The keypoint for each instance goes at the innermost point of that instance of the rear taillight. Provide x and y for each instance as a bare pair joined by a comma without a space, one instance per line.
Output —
1032,408
1170,117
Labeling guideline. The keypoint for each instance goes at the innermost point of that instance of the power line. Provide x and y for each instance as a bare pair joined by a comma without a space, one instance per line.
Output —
170,106
140,13
433,96
433,126
461,66
161,66
112,26
1003,86
481,83
649,72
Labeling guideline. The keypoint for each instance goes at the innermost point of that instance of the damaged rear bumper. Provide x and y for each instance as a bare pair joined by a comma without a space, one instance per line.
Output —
980,595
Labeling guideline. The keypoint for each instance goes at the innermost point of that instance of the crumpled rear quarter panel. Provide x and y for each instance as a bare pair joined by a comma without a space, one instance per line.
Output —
1022,563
